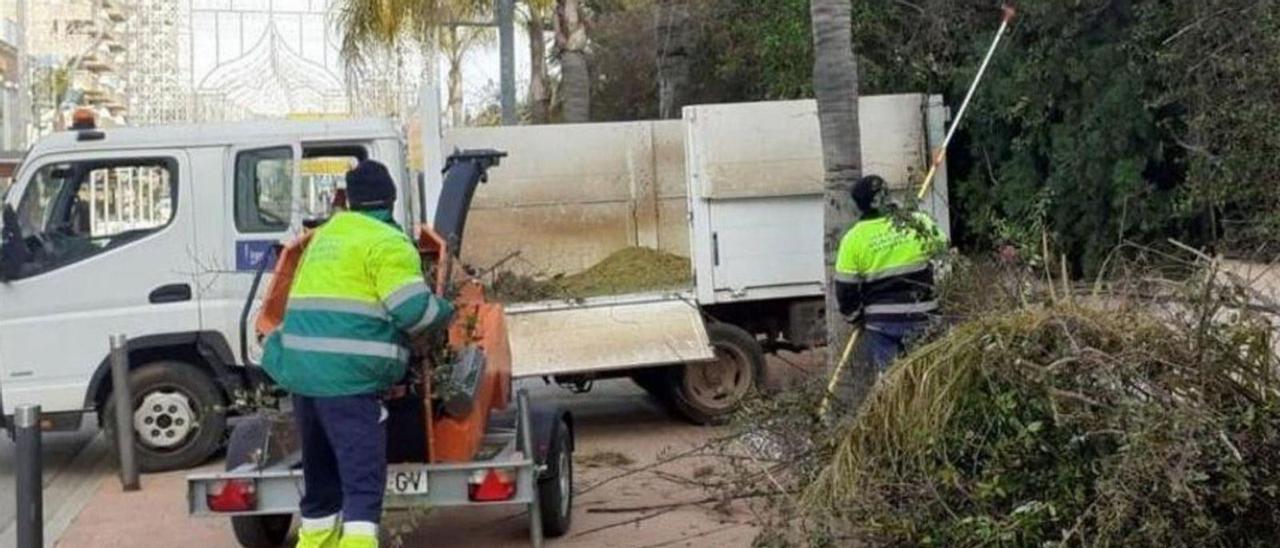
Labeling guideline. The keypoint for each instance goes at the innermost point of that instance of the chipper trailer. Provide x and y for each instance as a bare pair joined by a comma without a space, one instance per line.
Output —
452,437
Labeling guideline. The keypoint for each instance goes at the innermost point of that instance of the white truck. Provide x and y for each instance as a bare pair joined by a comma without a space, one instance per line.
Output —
742,196
156,233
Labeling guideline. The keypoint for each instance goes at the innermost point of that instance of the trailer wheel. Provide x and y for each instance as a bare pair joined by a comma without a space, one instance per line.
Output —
555,487
254,531
179,416
709,392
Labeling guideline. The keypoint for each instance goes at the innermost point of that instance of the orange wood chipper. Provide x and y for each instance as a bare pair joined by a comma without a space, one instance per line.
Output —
453,438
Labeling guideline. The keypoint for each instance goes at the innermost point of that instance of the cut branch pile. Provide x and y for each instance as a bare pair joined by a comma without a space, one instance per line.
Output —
1061,424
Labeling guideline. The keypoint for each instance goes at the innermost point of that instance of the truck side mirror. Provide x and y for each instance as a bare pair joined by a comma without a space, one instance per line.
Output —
13,249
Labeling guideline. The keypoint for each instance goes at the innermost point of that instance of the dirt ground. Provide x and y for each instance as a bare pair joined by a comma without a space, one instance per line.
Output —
621,433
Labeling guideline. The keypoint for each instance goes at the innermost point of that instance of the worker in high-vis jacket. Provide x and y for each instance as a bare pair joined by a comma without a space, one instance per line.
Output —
884,277
358,299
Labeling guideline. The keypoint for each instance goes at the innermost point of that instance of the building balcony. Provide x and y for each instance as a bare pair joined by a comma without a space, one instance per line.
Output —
105,98
113,11
98,63
96,98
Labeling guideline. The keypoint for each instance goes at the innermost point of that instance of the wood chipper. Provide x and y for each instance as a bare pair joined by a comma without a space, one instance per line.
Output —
452,439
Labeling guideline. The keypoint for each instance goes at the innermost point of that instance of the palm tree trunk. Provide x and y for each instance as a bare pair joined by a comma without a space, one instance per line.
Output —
575,75
454,50
673,40
835,84
539,99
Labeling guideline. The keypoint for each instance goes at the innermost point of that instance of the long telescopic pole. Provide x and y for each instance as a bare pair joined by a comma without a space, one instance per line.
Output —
941,154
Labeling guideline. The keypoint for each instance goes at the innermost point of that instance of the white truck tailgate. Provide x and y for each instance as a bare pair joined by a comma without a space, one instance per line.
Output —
601,334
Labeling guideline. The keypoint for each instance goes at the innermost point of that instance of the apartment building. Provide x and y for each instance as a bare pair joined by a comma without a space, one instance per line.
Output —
78,55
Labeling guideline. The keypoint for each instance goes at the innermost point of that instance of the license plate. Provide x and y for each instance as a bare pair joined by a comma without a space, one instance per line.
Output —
406,480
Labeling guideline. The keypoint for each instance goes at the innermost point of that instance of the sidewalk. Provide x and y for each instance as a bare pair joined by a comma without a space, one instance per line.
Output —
619,430
156,516
75,464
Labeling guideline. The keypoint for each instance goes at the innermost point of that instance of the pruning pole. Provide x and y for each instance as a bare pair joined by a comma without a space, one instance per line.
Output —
835,375
941,154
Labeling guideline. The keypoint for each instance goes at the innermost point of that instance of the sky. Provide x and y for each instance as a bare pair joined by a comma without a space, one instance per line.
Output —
234,43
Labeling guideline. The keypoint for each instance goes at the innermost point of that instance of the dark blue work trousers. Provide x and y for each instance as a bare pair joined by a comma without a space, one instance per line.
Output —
882,342
344,456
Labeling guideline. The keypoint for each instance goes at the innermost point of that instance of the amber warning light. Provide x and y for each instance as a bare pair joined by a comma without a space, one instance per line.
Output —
83,119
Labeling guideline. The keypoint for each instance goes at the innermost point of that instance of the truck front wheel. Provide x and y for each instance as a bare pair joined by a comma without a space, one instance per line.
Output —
709,392
179,416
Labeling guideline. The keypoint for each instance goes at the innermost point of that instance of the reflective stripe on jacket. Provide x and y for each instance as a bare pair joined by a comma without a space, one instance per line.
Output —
358,295
883,268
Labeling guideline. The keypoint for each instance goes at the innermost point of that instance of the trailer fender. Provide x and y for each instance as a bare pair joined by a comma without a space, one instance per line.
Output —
545,419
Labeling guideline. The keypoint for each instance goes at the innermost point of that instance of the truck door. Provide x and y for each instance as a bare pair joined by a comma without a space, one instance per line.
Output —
260,198
110,239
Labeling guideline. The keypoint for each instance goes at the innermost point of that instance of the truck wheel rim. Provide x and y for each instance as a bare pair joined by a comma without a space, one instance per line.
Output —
565,480
720,384
164,419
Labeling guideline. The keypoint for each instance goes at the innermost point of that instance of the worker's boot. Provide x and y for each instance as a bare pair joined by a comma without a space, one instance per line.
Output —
359,534
320,533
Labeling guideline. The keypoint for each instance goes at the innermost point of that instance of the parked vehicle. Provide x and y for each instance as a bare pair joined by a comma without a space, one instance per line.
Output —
156,233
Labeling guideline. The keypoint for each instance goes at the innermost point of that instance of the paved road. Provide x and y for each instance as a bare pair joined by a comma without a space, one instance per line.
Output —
618,427
74,464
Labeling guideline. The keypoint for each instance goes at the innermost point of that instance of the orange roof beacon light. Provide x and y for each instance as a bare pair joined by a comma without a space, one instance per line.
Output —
83,118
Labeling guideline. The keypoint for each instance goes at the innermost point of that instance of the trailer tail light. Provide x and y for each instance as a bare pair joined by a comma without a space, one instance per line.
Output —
492,485
239,495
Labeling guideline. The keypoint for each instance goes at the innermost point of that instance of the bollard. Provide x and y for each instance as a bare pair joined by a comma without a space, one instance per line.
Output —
122,396
28,472
4,421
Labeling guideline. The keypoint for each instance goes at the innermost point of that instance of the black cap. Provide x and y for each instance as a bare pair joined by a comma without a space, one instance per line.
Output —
866,190
369,186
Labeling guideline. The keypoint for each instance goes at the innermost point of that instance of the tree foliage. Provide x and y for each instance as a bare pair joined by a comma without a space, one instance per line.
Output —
1101,121
742,50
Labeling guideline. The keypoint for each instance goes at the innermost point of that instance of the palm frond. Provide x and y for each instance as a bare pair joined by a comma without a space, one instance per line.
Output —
369,27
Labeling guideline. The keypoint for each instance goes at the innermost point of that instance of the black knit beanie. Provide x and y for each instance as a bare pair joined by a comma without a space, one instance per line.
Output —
369,186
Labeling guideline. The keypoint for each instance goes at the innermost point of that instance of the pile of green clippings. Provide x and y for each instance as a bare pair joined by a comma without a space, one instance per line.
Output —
630,270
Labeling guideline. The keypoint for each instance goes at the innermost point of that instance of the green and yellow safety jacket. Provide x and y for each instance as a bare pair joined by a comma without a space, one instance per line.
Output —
883,273
358,295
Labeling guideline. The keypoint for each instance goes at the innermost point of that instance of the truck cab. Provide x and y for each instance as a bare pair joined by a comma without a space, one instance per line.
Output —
156,234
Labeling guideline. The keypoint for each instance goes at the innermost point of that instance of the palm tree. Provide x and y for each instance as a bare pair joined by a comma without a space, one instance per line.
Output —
539,92
454,42
673,30
835,84
370,27
575,75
